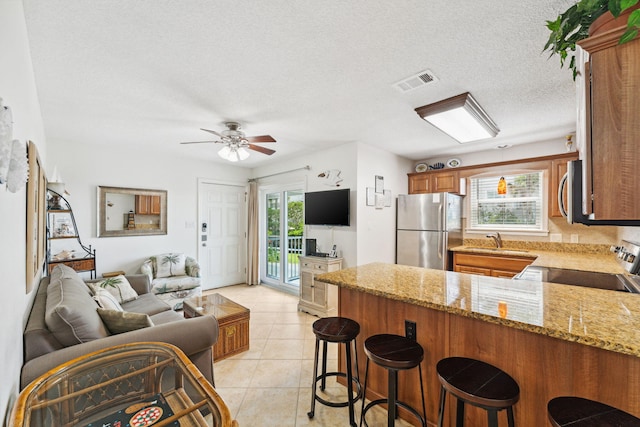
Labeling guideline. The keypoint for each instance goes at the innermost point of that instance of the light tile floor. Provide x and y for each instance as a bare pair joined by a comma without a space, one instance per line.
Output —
270,385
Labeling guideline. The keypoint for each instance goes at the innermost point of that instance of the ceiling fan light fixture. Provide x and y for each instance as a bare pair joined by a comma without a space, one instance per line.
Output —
225,152
460,117
243,153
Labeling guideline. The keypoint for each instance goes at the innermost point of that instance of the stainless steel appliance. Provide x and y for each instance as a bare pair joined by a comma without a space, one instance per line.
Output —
628,254
572,185
427,225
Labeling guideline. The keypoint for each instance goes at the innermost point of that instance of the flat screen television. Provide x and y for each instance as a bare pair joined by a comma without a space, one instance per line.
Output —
327,207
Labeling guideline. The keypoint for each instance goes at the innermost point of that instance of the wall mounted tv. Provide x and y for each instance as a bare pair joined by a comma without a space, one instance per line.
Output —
327,207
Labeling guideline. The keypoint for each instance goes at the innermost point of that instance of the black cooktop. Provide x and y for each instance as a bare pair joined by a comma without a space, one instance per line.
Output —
589,279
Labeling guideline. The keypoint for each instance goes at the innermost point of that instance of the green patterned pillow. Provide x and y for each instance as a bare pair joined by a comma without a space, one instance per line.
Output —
117,286
169,265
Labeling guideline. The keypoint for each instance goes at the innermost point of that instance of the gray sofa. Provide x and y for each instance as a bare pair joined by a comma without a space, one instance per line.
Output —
48,344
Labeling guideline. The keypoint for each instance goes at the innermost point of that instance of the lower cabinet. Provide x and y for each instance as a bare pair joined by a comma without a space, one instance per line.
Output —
318,298
489,265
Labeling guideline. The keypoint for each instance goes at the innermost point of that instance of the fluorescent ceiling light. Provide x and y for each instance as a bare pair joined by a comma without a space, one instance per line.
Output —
460,117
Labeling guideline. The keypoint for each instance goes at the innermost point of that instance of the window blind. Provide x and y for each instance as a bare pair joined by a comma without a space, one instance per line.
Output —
520,209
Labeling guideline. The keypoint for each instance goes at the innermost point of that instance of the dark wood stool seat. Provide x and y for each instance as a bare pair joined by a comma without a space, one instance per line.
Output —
580,412
339,330
479,384
393,353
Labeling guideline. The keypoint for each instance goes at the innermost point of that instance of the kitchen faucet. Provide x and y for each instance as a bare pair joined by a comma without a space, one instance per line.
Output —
496,238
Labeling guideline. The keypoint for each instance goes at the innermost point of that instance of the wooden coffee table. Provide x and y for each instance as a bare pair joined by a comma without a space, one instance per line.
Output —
233,320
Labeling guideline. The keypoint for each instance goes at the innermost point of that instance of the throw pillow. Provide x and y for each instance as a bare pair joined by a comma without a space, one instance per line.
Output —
117,286
123,321
106,300
168,265
70,312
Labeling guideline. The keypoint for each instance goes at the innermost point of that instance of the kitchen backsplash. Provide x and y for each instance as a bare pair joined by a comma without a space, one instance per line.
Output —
584,248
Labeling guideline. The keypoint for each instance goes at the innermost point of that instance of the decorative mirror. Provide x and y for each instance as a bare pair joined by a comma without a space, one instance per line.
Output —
131,212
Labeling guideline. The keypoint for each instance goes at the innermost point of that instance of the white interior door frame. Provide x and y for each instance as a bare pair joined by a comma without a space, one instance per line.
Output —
210,278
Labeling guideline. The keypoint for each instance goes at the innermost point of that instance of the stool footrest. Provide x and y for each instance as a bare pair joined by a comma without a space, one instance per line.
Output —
354,399
398,403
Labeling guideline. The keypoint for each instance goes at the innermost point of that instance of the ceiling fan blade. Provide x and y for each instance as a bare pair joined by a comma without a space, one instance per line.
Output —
201,142
267,151
212,131
261,138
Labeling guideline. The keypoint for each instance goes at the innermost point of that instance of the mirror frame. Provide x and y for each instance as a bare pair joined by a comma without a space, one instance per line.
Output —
102,217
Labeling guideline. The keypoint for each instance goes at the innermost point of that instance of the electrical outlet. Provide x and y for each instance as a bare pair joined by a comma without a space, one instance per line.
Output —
575,238
410,329
555,237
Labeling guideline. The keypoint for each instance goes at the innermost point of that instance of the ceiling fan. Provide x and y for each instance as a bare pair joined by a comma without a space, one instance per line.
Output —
236,143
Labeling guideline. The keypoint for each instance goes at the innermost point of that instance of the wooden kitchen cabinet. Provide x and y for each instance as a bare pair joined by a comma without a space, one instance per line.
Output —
147,205
318,298
498,265
436,182
608,128
558,169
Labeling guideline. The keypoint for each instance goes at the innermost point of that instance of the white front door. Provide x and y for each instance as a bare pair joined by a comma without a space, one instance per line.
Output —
222,235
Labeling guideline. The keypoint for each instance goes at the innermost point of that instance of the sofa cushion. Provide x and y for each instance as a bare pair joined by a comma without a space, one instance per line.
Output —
166,317
70,312
118,286
124,321
170,264
147,304
106,300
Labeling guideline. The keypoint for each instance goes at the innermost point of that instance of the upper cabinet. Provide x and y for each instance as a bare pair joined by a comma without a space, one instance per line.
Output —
436,182
148,205
608,131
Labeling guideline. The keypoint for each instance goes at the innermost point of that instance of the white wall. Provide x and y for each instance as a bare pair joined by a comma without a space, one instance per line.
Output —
137,169
342,158
18,92
371,235
376,227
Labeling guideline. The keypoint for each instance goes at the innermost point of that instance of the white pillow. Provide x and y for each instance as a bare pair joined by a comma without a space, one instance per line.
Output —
168,265
106,300
117,286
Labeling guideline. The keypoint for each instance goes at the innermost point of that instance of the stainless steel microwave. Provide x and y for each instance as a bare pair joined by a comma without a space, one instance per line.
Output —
571,184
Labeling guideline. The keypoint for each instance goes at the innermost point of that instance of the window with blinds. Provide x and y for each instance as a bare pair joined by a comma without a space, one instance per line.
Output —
521,209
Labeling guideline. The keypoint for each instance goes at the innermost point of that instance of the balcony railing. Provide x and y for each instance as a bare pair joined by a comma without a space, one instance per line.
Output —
293,251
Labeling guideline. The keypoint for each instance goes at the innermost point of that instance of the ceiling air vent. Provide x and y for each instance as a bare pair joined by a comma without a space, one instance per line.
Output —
416,81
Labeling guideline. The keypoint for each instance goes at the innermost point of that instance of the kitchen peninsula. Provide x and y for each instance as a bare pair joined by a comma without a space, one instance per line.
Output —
554,340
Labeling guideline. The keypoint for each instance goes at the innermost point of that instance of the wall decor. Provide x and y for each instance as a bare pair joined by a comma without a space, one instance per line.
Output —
131,212
331,177
14,166
379,184
36,222
371,196
387,198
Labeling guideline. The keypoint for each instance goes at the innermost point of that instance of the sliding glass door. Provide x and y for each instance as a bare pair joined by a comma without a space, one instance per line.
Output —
283,225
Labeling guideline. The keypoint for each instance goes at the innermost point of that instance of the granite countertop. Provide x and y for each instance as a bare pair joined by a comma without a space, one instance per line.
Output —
595,317
560,255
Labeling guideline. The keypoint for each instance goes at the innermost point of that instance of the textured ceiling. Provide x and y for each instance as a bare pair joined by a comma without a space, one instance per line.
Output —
312,74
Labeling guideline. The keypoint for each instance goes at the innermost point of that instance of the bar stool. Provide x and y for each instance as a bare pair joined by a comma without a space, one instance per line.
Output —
479,384
393,353
580,412
337,330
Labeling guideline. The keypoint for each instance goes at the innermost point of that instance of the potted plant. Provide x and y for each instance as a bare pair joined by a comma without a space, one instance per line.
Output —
573,25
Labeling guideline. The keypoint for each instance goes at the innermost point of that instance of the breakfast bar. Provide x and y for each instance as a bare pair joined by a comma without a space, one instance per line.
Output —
553,339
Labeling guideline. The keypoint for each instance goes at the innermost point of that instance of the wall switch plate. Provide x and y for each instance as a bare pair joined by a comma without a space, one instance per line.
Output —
410,329
555,237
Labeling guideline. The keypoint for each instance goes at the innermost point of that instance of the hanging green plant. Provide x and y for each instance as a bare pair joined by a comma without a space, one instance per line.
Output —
573,25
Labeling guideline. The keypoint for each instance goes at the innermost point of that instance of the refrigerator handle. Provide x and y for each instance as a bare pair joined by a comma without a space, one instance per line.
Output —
441,232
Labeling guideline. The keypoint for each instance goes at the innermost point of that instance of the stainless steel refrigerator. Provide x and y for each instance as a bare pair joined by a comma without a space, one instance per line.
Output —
427,225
